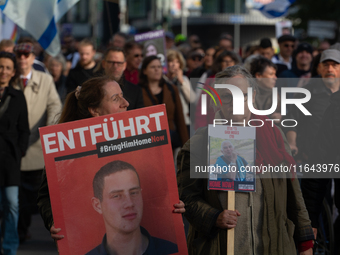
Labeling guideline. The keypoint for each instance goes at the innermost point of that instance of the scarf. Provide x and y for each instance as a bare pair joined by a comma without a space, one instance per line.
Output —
270,148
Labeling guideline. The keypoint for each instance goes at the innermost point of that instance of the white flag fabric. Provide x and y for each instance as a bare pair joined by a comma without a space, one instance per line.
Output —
276,9
62,7
8,28
38,17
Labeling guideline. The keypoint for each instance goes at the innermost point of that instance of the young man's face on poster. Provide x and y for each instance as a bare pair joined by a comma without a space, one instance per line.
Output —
122,202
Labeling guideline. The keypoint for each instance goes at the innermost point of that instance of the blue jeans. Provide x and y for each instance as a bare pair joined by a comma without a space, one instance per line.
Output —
9,197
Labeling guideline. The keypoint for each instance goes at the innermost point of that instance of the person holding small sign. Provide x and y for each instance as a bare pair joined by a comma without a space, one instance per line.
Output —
264,221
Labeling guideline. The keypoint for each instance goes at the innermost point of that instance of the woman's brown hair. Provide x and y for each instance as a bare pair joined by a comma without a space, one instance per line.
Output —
90,96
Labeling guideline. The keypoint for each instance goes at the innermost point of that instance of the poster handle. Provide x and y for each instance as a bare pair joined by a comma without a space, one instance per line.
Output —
231,232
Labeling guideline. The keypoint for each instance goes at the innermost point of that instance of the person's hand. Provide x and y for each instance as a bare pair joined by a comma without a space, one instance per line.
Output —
315,231
233,157
308,252
294,149
179,75
304,79
179,208
227,219
54,233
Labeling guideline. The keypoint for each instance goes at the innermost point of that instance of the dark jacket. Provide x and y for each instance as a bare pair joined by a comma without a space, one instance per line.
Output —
78,76
290,78
14,133
197,72
326,150
156,245
308,126
173,106
61,87
44,202
132,93
283,207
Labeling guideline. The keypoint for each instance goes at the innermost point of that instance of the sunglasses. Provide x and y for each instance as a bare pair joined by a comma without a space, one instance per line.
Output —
138,55
197,58
289,45
25,54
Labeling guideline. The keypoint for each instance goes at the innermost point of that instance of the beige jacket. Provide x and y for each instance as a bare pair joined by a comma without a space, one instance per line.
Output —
43,104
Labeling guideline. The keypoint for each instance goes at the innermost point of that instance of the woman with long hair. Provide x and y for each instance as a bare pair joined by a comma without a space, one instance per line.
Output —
157,91
96,97
14,133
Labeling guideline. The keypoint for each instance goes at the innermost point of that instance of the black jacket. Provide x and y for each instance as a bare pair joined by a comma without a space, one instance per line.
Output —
14,133
326,150
132,93
78,76
308,126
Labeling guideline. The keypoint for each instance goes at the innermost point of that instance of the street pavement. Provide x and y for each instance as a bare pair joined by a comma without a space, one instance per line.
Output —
40,243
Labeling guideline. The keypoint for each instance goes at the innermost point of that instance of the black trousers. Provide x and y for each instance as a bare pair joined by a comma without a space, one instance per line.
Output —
28,194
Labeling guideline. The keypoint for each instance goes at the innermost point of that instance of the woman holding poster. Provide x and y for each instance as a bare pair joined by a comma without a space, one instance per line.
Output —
157,91
96,97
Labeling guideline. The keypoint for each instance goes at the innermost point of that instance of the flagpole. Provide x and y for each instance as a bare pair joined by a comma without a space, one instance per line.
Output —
237,26
1,25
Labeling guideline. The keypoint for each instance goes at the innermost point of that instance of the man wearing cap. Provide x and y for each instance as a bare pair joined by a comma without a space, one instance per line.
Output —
43,104
326,147
286,45
300,69
301,138
194,60
169,40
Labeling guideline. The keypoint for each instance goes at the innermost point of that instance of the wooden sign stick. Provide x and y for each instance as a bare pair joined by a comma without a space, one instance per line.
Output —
231,232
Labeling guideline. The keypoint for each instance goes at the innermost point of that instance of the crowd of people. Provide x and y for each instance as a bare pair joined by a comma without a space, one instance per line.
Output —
37,90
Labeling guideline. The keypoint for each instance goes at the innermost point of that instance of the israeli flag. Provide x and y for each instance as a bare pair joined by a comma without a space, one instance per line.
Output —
38,17
276,9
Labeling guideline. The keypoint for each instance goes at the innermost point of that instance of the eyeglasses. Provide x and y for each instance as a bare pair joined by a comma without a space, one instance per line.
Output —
114,63
228,98
25,54
138,55
289,45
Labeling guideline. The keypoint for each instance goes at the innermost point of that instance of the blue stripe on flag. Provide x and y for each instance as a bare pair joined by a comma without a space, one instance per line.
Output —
49,34
60,1
3,5
276,13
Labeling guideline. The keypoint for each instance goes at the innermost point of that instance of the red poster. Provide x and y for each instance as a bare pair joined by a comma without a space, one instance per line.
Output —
80,153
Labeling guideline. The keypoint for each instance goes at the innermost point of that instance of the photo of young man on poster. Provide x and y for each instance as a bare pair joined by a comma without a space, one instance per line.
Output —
118,198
